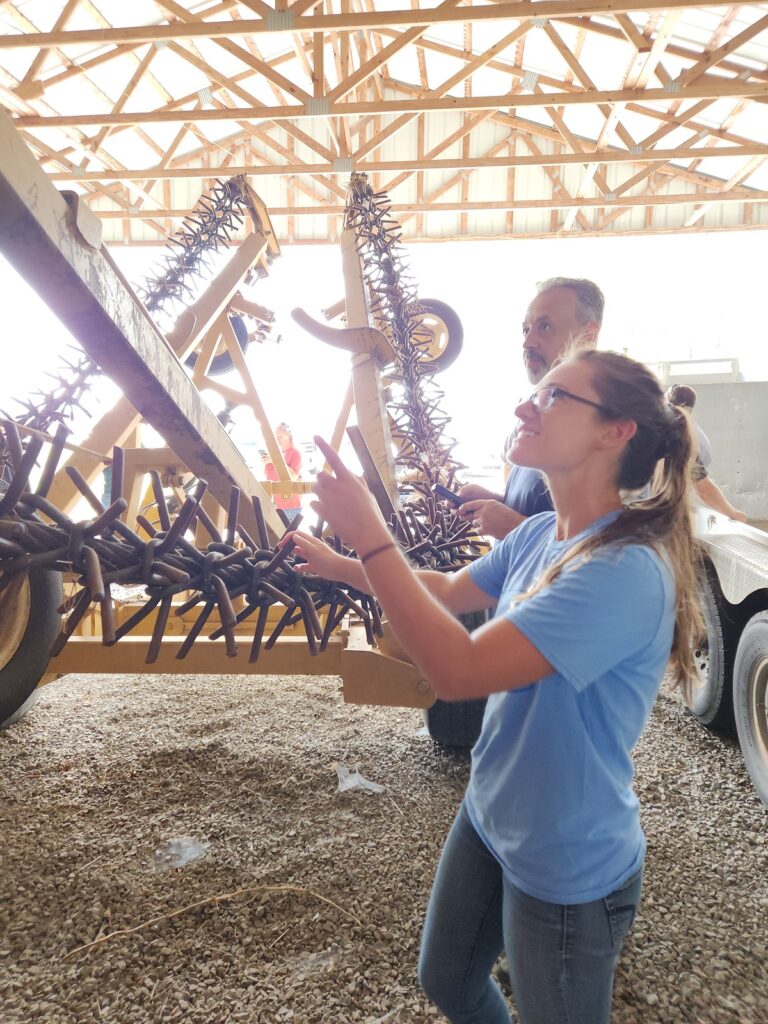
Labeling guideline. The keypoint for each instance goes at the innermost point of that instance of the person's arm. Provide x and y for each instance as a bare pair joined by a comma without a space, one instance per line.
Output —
456,591
472,492
713,498
457,664
491,518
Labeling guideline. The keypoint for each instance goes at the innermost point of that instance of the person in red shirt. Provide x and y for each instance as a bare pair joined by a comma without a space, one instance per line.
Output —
290,506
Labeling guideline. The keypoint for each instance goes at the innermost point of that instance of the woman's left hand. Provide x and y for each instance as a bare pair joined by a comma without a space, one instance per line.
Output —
346,504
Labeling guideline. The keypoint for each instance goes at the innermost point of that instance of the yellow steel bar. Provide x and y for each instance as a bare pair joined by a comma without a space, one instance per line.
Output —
82,285
366,377
368,676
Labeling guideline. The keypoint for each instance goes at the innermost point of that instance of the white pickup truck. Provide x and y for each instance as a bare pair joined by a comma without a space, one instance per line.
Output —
733,661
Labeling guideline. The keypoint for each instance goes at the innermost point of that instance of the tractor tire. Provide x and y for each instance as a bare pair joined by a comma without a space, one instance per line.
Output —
447,335
222,363
29,629
750,700
457,723
710,699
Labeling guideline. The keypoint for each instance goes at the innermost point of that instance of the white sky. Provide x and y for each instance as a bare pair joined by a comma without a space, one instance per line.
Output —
668,297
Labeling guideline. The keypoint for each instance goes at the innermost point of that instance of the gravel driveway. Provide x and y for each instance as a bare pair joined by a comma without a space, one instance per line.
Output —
107,770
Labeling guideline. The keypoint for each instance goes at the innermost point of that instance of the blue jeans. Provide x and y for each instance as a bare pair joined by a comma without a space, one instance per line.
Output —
561,957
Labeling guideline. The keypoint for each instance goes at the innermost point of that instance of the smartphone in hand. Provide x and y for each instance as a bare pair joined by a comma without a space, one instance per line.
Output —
444,494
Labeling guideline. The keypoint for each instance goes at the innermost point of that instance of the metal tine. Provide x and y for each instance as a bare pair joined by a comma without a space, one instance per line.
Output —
79,609
242,615
247,538
157,633
52,461
107,617
93,574
14,443
368,630
145,524
102,522
183,520
279,557
261,623
373,608
317,529
309,624
334,618
210,526
20,478
81,484
277,594
159,494
234,508
305,599
227,614
286,617
137,617
196,628
190,604
261,526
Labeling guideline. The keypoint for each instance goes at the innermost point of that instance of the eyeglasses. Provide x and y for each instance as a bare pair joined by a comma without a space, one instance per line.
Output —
543,399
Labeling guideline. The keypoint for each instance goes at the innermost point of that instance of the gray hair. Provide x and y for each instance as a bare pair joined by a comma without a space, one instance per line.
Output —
590,301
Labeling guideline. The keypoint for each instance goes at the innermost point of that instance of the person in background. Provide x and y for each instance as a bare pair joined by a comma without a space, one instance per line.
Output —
684,397
545,856
566,312
292,456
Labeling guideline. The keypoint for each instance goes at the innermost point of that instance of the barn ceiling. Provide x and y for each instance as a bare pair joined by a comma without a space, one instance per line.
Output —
535,118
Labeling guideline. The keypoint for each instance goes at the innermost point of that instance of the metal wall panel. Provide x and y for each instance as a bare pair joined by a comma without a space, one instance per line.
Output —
734,417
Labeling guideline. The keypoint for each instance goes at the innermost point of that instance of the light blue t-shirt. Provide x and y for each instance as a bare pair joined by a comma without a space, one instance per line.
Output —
551,787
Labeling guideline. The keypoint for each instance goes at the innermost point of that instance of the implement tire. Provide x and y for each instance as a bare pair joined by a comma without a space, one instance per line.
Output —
710,699
30,622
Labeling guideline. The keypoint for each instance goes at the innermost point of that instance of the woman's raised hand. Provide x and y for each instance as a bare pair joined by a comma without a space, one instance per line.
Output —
319,557
345,503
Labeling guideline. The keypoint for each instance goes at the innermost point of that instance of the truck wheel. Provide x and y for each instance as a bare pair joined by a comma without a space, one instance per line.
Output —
710,698
29,624
750,700
457,723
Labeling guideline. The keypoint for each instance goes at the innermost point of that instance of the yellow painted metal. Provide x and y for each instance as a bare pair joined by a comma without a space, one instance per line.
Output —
371,677
366,376
368,676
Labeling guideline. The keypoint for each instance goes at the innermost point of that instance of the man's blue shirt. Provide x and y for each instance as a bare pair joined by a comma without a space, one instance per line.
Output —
551,787
526,491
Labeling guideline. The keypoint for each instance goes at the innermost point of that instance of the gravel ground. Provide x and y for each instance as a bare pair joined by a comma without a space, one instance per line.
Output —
105,771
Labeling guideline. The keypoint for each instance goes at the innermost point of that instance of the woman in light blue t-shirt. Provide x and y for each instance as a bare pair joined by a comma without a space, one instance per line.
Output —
545,857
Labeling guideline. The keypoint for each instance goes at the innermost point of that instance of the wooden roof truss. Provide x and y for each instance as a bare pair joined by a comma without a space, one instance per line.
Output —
535,118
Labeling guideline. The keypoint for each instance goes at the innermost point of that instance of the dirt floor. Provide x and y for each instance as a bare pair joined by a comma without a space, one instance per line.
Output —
306,904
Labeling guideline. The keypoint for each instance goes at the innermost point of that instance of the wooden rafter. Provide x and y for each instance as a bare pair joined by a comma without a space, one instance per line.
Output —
298,95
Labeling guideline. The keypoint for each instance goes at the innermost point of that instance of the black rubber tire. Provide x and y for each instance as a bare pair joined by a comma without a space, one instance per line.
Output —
20,676
750,700
455,342
457,723
711,701
222,363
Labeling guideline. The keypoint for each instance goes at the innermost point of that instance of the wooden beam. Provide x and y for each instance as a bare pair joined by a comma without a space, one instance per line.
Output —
429,162
349,22
553,203
707,89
